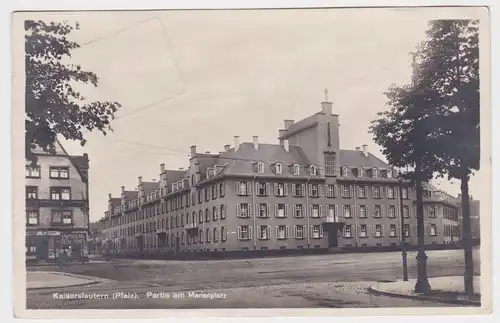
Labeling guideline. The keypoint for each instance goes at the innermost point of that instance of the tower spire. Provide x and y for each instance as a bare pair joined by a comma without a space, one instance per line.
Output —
326,95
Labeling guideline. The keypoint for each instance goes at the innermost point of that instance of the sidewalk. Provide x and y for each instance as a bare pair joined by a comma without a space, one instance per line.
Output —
448,289
47,280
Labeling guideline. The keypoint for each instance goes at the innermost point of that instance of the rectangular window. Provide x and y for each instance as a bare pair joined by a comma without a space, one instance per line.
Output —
207,194
222,190
59,172
60,193
280,210
390,192
377,211
404,193
432,211
215,234
279,189
242,188
32,217
329,164
32,192
362,191
363,231
263,210
261,188
313,190
62,217
378,230
376,192
281,232
244,232
348,231
32,172
347,211
243,210
330,191
214,192
391,211
315,213
392,230
332,214
263,232
223,233
207,215
299,232
406,211
316,231
346,191
222,211
297,190
362,211
298,212
432,230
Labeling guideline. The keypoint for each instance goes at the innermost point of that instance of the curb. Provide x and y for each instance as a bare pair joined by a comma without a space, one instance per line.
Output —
373,291
92,281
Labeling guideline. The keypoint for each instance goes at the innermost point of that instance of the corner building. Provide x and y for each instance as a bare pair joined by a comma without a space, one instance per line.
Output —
304,192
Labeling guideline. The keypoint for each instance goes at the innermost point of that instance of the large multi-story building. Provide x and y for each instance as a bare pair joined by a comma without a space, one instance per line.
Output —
304,192
57,205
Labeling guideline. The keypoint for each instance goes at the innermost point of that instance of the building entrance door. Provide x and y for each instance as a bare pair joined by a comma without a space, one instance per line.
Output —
333,238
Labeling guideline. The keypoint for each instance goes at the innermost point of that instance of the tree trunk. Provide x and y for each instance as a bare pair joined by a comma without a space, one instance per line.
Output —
466,237
422,285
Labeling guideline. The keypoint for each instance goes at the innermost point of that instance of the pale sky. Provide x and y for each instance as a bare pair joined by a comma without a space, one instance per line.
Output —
201,77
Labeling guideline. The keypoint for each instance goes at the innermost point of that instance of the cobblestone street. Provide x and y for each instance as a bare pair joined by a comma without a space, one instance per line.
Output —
315,281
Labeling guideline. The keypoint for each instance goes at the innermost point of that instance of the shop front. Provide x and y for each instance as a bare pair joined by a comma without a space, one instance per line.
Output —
47,245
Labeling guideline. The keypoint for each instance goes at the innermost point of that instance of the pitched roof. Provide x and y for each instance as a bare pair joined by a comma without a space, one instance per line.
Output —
116,201
130,195
302,124
149,187
174,175
356,158
242,161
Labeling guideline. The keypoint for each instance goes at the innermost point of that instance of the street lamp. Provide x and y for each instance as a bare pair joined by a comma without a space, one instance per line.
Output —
401,211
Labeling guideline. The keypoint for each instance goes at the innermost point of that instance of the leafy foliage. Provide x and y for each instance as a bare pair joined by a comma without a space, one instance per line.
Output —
53,107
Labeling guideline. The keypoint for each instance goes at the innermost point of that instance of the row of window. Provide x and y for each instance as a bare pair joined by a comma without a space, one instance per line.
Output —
264,232
55,172
56,193
216,213
58,217
263,210
316,190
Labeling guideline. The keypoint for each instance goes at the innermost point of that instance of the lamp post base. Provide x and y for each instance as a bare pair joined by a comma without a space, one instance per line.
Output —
422,285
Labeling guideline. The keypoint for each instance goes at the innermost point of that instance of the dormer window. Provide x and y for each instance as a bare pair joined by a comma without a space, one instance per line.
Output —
279,168
208,172
296,169
260,167
179,185
374,173
312,170
389,173
343,171
174,187
360,172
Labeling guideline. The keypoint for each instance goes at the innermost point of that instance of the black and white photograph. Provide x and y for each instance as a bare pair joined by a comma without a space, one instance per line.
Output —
322,158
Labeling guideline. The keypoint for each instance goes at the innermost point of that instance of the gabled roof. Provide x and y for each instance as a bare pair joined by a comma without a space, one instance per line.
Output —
301,125
130,195
174,175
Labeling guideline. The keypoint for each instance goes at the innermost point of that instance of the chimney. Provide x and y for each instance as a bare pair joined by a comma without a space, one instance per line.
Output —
326,108
236,143
281,133
358,148
154,180
365,150
140,180
256,142
109,196
162,168
226,147
181,168
123,189
286,145
288,123
193,150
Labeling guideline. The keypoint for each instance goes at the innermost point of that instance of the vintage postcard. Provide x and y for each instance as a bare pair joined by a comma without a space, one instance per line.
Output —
272,162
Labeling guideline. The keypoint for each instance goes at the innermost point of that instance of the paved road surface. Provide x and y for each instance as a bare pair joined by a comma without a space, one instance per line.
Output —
312,281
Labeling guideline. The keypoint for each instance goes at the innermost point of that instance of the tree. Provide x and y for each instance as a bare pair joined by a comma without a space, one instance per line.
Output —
450,65
53,107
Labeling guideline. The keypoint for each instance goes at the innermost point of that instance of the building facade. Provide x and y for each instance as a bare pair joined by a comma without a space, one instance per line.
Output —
304,192
57,205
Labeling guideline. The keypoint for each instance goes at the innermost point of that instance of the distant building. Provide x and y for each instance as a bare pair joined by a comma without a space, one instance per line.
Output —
304,192
474,219
57,205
